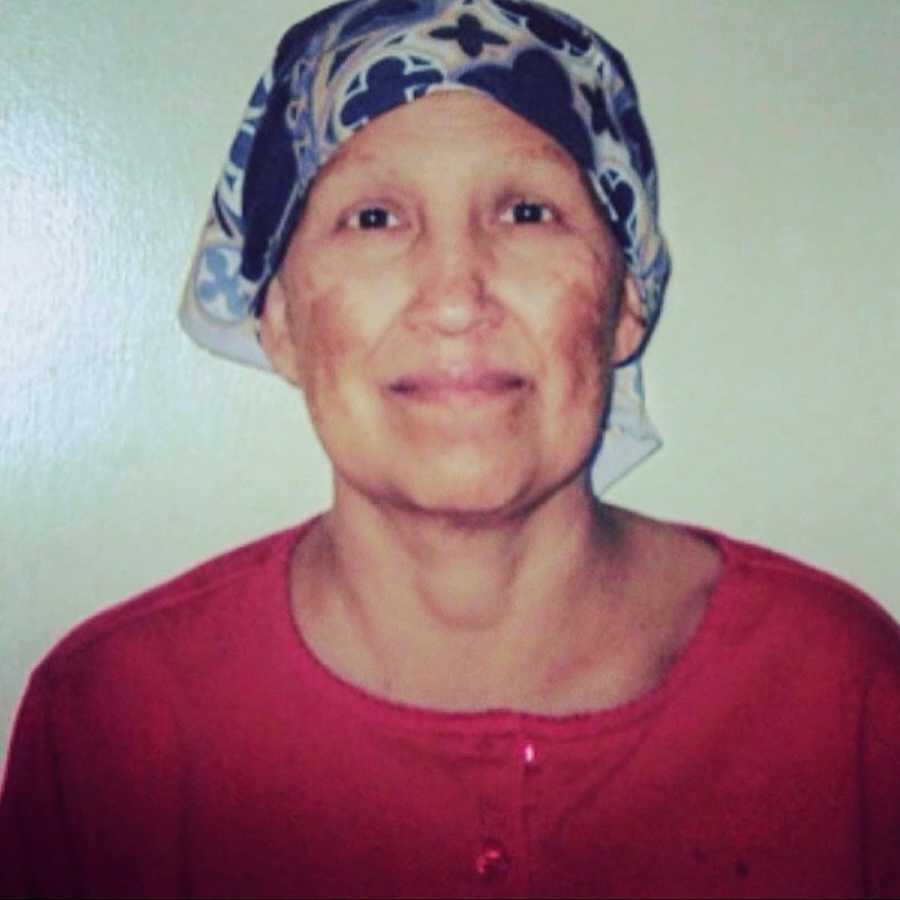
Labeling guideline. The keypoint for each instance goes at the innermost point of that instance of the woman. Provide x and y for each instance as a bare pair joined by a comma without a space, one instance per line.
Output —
469,677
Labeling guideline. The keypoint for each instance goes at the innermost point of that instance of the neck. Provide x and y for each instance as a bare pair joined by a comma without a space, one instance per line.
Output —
492,601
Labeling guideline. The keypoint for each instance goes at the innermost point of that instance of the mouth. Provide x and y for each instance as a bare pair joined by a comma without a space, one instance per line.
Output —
469,384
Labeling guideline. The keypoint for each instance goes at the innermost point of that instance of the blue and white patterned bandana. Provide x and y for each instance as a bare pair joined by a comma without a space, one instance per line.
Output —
349,63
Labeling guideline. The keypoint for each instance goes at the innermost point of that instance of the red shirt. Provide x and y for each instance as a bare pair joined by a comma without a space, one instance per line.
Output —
187,743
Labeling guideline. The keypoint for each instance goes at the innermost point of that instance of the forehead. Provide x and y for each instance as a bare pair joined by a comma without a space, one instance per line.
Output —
465,125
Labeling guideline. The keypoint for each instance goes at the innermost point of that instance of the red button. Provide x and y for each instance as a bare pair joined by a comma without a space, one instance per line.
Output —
493,861
529,756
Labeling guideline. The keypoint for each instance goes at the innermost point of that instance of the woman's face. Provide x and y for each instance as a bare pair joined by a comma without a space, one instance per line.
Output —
450,305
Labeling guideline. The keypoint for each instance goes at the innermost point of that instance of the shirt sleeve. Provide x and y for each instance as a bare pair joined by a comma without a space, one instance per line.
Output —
35,853
881,783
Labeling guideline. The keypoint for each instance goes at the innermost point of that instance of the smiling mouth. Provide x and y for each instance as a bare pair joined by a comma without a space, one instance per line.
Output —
466,385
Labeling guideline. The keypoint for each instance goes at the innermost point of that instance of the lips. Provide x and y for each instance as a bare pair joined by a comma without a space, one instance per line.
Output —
467,382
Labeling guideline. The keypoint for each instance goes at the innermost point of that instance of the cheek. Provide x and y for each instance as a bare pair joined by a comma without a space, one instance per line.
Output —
337,322
581,357
320,329
580,332
316,300
330,335
329,347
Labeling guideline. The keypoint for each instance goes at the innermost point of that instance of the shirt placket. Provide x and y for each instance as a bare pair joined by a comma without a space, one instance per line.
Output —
500,862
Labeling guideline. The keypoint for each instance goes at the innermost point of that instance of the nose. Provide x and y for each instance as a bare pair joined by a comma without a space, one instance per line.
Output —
452,291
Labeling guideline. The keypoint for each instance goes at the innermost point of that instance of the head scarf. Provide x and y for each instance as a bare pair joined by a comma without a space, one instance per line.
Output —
351,62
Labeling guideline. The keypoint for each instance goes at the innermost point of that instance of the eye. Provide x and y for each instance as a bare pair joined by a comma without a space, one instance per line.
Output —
372,217
527,212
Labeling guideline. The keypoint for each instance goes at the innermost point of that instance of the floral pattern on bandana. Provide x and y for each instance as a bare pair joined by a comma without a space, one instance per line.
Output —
349,63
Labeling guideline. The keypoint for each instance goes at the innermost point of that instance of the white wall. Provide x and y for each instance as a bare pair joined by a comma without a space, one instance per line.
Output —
126,454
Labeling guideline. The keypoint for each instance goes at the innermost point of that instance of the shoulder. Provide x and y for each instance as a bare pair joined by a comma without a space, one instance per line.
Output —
801,587
766,605
800,611
830,654
176,614
128,686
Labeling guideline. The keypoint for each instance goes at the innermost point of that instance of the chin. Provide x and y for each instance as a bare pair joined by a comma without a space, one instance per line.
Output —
474,495
480,481
474,507
451,484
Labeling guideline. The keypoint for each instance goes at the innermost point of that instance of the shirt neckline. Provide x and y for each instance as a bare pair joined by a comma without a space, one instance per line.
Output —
393,715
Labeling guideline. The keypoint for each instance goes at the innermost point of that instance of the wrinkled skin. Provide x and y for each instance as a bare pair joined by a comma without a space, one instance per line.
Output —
450,234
